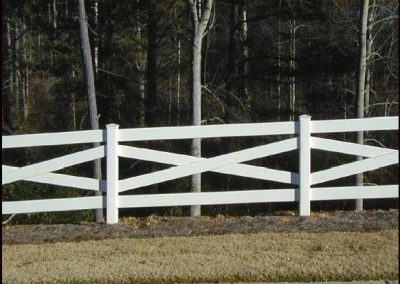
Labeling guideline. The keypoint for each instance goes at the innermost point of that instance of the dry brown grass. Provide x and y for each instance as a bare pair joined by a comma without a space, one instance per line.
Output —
259,257
140,222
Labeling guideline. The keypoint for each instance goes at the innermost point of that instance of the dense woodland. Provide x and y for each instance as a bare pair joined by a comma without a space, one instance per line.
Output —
260,61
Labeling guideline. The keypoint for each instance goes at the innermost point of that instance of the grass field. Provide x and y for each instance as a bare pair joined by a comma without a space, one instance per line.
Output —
225,258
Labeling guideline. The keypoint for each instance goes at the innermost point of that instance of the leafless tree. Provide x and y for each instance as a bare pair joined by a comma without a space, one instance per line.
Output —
91,92
200,13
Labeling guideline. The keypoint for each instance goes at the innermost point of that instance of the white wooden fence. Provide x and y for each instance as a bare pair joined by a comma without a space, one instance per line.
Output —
300,189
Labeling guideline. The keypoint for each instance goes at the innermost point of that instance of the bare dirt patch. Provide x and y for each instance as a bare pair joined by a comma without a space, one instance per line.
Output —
155,226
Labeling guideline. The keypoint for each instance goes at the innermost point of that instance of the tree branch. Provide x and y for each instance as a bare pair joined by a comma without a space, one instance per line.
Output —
379,104
370,26
346,15
9,219
376,141
205,16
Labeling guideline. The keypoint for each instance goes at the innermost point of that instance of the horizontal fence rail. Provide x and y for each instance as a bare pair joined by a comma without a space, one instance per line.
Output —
53,139
352,125
208,198
49,205
207,131
303,183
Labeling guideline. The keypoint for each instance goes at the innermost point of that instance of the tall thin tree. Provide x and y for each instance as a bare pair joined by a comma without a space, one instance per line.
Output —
152,71
362,68
140,68
6,106
245,48
91,92
200,13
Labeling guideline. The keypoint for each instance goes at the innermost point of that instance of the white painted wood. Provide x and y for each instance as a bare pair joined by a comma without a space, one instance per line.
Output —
187,165
207,165
351,125
348,148
304,165
6,169
112,173
355,192
48,205
238,170
354,168
207,131
53,164
262,173
155,155
63,180
51,139
207,198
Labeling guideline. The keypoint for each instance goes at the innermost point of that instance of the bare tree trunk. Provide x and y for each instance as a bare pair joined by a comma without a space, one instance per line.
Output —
178,85
91,93
292,79
54,20
200,12
15,76
152,76
232,66
73,75
196,96
53,23
73,109
245,71
25,78
140,69
169,100
6,75
362,67
73,103
368,76
96,39
278,76
152,71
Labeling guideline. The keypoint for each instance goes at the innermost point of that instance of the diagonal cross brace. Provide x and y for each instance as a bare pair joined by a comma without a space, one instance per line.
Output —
63,180
348,148
355,168
53,165
180,159
225,163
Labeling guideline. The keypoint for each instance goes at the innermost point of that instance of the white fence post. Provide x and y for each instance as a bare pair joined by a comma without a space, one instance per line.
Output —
304,165
112,173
